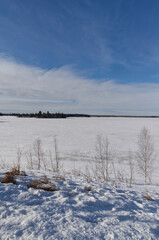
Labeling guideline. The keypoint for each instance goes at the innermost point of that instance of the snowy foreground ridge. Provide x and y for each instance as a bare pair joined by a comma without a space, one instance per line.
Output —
104,212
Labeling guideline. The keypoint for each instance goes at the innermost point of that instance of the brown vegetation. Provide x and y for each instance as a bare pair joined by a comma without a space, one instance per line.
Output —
16,172
43,184
9,178
148,197
87,188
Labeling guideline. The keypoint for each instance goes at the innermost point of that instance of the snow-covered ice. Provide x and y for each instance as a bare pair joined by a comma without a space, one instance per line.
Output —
76,138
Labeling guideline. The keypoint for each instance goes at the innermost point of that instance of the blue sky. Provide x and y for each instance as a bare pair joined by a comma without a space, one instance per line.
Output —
84,44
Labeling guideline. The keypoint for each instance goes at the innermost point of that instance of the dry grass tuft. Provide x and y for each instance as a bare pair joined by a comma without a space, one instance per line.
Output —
88,189
44,185
8,179
45,180
148,197
16,172
34,184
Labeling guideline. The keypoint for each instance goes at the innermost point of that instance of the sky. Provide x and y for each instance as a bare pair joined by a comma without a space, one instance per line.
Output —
79,56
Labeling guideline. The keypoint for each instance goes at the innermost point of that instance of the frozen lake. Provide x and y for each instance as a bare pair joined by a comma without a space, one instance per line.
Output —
76,137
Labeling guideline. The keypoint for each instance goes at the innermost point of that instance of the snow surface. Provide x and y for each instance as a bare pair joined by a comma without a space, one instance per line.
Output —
72,213
105,212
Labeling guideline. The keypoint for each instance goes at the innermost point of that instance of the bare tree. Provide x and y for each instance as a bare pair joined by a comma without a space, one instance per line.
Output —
145,154
103,157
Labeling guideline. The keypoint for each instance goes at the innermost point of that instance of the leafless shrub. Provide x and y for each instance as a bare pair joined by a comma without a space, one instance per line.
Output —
38,153
17,162
76,172
57,158
3,164
52,162
54,157
103,158
131,167
19,157
145,153
30,161
121,176
114,172
44,160
38,159
89,170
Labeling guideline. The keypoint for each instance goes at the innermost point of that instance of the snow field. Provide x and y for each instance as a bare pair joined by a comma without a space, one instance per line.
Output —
105,212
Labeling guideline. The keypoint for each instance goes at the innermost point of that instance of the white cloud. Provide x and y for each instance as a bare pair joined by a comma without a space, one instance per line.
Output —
26,88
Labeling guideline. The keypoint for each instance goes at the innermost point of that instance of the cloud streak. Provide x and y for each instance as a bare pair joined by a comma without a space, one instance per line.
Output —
25,89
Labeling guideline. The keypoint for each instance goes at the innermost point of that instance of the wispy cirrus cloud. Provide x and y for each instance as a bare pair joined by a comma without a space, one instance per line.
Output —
25,88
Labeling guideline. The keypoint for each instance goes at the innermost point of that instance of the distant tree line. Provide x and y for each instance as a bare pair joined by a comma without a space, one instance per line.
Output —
41,114
47,114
